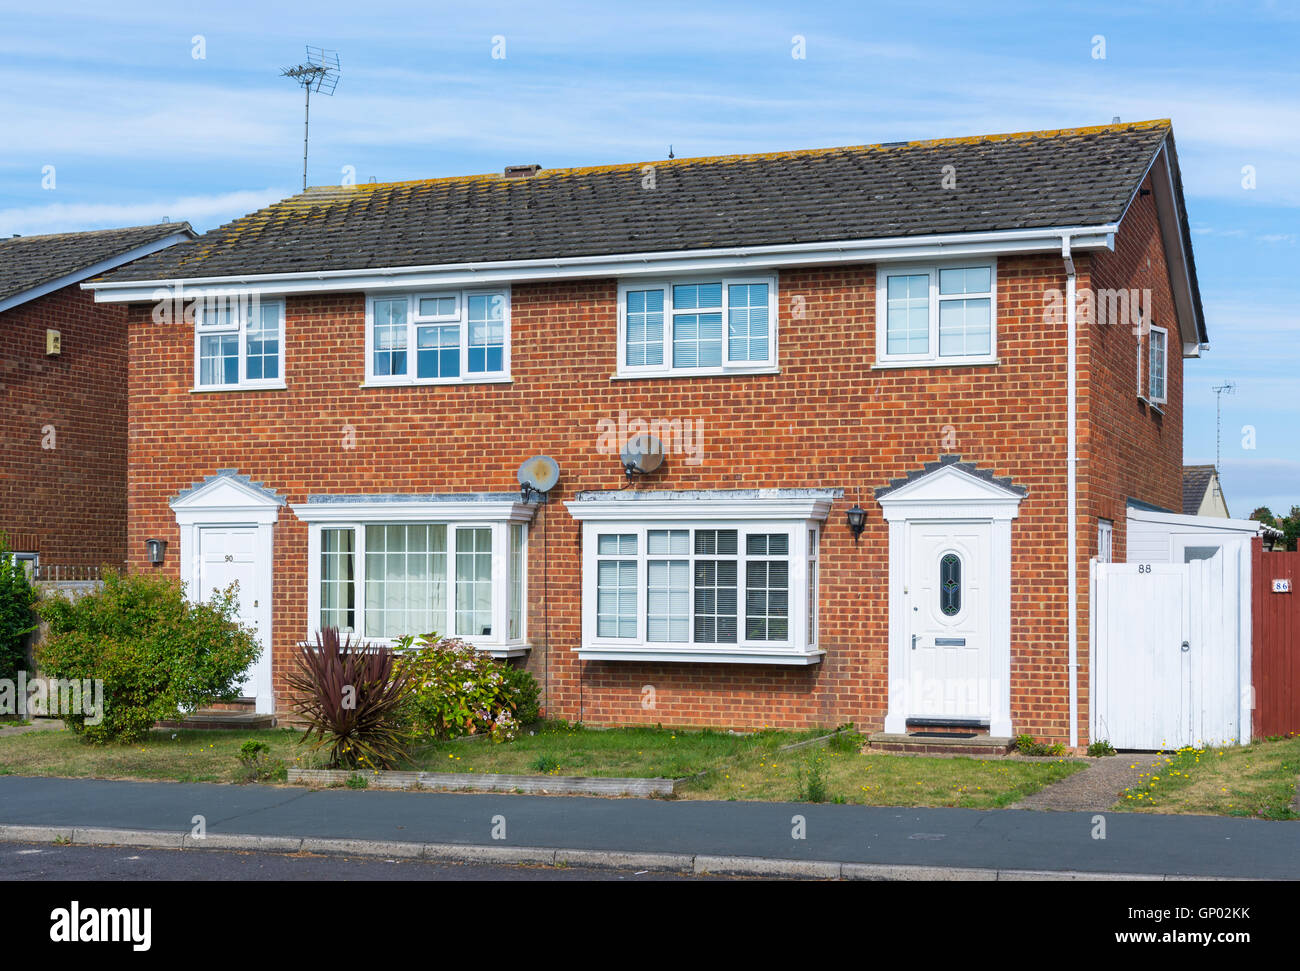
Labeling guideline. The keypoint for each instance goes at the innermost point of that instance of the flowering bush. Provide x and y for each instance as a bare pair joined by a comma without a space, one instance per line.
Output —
461,691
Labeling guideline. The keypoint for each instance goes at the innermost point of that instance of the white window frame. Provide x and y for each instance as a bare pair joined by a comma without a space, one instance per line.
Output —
1105,540
414,321
799,519
932,358
666,369
1163,397
496,515
204,328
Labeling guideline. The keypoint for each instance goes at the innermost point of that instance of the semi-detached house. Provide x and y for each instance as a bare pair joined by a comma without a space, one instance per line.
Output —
971,349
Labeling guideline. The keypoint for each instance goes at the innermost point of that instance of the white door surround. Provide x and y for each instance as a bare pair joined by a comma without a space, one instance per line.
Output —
961,668
227,515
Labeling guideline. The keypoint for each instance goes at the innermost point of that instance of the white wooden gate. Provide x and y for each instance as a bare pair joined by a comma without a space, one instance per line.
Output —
1165,655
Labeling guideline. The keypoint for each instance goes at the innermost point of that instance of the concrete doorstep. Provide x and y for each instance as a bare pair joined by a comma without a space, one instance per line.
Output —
473,853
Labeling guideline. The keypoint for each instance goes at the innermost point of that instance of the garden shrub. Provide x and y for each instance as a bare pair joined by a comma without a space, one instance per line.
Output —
354,699
157,653
461,691
17,618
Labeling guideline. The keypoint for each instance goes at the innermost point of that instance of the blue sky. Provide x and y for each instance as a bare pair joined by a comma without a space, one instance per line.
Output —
138,129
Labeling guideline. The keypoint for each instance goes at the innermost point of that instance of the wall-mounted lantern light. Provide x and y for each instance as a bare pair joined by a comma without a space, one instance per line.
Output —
857,519
155,548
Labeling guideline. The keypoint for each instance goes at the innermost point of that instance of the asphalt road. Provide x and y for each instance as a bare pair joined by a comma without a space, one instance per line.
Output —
1006,839
30,861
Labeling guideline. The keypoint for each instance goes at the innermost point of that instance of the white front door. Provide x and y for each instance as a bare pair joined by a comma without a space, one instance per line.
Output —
229,554
947,607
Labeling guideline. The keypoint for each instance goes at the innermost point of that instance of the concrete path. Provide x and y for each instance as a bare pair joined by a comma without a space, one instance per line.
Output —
992,842
1096,788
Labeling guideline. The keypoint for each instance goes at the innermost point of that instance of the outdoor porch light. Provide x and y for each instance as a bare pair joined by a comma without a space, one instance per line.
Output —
857,519
155,548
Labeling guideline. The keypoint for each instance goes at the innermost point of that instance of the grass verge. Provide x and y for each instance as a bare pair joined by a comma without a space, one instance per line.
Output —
174,756
1256,780
838,773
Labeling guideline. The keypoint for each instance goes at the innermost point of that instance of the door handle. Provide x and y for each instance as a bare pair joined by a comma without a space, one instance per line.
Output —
1186,647
914,642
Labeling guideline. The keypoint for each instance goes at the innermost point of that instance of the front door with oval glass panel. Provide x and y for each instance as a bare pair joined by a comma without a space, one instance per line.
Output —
948,614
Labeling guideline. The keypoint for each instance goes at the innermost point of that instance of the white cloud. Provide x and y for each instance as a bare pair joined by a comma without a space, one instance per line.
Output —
69,217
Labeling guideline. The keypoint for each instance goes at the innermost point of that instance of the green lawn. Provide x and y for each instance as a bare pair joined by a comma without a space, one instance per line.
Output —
556,748
176,756
1257,780
838,773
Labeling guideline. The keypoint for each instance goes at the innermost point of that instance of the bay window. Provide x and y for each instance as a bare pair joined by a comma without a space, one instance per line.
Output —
697,326
936,314
446,337
383,569
730,581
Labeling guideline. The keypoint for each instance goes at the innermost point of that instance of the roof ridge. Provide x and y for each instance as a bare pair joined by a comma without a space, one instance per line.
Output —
334,191
184,224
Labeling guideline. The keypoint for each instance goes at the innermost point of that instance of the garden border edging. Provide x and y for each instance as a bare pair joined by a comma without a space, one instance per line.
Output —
491,782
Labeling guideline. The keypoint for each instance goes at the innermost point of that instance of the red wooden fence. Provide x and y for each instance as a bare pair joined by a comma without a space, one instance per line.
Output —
1276,635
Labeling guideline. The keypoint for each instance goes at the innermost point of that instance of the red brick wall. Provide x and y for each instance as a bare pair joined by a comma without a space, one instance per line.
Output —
69,500
827,420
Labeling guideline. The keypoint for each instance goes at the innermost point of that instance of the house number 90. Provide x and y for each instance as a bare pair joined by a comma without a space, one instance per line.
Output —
230,558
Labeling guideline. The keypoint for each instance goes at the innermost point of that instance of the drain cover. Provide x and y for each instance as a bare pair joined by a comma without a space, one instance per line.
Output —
942,734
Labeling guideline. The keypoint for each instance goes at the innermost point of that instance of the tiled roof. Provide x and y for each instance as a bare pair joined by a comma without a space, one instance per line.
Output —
1196,479
27,262
1073,177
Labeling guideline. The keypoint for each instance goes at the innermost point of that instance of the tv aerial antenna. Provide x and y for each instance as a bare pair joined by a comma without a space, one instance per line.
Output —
319,73
537,477
1219,391
642,455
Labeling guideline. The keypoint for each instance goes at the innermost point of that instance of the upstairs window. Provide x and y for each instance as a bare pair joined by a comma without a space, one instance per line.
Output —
448,337
705,326
238,344
936,314
1157,365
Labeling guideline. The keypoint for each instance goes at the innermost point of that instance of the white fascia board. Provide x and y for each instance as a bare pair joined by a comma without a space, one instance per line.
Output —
1209,523
487,511
688,510
909,248
103,266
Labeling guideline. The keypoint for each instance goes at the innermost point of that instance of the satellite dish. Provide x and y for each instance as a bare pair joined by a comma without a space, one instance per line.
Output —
538,476
642,455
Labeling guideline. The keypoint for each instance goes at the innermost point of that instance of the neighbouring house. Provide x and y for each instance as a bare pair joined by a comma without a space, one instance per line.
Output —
904,393
63,386
1202,494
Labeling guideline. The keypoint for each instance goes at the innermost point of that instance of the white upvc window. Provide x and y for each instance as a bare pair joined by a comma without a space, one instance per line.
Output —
936,314
1105,537
238,344
697,325
1157,365
438,337
699,581
380,578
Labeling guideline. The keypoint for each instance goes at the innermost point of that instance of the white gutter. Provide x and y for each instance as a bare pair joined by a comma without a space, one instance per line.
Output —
1071,488
953,245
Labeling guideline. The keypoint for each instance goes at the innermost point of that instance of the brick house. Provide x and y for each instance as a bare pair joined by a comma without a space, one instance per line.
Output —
927,333
63,421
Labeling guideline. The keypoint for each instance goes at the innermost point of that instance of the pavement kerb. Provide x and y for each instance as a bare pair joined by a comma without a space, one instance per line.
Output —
471,853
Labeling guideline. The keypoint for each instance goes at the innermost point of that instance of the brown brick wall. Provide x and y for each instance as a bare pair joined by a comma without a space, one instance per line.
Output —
827,420
69,500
